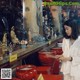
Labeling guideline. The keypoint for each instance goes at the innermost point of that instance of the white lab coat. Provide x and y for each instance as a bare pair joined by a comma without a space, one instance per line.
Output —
71,67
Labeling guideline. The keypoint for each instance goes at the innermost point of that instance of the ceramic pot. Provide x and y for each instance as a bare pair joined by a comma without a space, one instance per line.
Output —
15,79
57,51
44,59
26,72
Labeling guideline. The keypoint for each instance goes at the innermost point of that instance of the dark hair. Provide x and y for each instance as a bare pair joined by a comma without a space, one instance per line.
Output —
74,26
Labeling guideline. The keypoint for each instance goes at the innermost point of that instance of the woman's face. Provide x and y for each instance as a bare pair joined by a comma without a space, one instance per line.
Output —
68,30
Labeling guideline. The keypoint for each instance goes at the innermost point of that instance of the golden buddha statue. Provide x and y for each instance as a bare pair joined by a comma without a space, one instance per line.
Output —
13,36
4,43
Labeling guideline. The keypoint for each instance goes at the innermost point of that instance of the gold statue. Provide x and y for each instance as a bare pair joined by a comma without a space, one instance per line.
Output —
13,36
4,38
1,52
4,43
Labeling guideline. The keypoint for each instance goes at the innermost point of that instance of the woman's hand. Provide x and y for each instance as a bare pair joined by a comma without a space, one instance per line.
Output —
58,56
64,59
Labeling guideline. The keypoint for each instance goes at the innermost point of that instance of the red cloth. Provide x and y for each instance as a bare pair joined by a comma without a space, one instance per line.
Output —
15,79
11,79
54,69
43,69
52,77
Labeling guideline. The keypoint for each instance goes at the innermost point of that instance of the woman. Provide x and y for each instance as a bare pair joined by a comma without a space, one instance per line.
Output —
71,51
